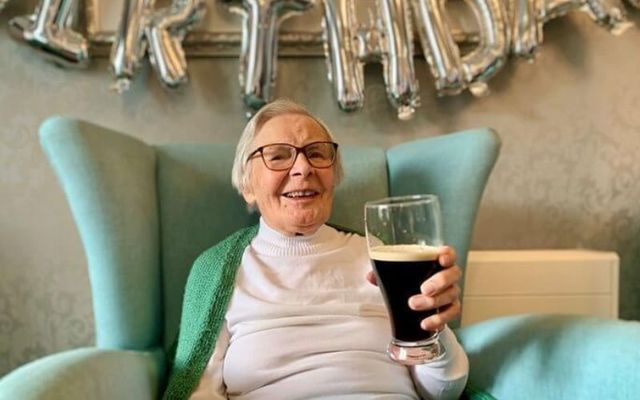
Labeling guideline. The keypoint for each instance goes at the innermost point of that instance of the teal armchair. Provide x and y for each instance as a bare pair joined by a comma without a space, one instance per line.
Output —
145,212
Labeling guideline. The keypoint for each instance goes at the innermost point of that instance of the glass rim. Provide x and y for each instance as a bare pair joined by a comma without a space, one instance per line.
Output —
401,201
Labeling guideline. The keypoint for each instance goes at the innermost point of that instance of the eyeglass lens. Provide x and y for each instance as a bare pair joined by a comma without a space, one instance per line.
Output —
282,156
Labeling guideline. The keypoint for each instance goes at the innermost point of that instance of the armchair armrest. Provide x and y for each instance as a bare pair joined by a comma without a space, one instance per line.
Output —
554,357
87,373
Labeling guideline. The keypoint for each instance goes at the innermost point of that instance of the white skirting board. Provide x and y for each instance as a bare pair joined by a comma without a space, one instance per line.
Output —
500,283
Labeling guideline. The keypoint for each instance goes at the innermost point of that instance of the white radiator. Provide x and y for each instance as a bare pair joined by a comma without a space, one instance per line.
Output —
499,283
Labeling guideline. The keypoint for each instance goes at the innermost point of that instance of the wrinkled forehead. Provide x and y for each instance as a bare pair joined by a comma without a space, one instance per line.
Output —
295,129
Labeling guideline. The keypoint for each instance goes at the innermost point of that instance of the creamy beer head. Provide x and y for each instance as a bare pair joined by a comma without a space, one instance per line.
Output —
404,252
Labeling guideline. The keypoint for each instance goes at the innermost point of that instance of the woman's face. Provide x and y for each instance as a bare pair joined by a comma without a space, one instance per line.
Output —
274,192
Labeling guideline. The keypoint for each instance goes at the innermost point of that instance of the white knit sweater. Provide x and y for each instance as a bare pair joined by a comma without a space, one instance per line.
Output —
304,323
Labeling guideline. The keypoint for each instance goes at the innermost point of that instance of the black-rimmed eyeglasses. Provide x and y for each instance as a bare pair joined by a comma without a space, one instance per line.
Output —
282,156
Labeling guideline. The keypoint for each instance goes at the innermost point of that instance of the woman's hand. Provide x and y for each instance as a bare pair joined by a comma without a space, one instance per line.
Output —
440,291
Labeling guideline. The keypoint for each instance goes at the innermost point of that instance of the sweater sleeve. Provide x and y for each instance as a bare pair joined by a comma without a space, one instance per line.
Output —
211,385
447,377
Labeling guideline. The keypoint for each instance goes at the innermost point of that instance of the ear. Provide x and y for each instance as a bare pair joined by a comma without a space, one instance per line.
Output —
249,197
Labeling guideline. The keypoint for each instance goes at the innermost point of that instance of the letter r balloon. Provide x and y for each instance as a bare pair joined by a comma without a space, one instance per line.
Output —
165,32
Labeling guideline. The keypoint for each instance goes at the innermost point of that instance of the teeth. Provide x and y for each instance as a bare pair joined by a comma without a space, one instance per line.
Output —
300,193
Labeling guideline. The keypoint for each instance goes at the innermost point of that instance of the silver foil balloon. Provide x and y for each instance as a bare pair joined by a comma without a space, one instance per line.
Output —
259,50
129,45
165,33
610,14
386,39
345,73
50,30
607,13
454,72
440,51
397,57
525,35
490,55
527,19
634,3
546,10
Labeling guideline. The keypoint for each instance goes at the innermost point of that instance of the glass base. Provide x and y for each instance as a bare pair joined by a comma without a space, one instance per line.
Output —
415,353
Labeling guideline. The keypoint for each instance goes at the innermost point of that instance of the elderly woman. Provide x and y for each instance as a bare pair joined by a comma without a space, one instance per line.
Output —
289,309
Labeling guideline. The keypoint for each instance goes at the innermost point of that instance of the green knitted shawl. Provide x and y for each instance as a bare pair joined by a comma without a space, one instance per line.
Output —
206,298
207,295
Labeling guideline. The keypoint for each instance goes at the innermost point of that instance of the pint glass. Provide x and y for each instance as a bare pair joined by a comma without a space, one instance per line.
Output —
403,235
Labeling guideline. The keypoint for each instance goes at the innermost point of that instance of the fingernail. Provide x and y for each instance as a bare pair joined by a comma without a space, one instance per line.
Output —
417,302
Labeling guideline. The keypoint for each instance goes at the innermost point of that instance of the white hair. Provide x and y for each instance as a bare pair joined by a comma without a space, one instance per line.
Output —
241,171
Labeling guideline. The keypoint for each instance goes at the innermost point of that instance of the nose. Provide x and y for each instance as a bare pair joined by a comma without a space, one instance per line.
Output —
301,165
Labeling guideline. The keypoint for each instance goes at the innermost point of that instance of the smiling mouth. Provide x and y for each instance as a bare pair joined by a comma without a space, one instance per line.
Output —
301,194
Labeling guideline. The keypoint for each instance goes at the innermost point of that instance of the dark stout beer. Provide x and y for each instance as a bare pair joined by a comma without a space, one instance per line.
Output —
400,270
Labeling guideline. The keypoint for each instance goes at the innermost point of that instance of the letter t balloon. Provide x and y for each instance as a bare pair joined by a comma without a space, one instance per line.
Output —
259,51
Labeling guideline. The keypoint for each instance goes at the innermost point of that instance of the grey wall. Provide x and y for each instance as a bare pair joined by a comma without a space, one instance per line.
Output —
568,176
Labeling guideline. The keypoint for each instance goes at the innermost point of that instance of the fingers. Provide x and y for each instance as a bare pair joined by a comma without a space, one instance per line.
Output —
421,302
441,281
437,321
371,277
447,256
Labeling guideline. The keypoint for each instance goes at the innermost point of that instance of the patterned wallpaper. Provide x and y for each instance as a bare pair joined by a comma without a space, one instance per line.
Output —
568,176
